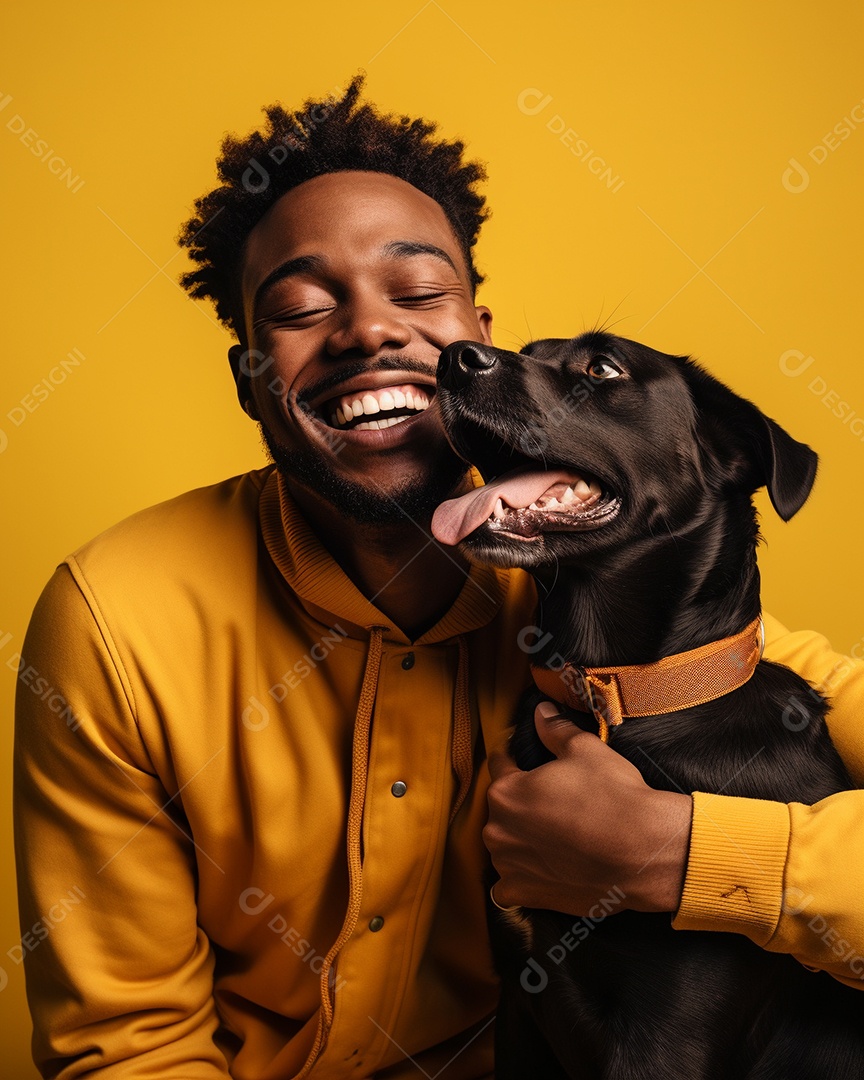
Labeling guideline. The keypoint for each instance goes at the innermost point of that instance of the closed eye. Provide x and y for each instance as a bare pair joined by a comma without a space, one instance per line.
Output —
417,297
291,316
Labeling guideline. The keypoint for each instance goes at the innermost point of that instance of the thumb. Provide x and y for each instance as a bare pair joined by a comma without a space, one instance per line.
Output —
554,729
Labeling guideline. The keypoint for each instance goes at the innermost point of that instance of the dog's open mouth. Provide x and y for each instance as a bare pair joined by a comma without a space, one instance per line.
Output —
526,503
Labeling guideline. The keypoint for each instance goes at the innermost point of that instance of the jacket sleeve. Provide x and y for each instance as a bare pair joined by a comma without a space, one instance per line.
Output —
118,974
790,877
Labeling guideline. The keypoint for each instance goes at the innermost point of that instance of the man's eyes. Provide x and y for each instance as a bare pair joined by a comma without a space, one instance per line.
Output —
418,297
289,315
305,313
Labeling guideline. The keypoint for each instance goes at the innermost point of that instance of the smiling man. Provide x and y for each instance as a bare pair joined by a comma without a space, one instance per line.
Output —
353,283
271,808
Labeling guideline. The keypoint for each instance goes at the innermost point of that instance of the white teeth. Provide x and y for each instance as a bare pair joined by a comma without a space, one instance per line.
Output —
383,401
552,503
498,512
568,497
533,506
582,490
387,421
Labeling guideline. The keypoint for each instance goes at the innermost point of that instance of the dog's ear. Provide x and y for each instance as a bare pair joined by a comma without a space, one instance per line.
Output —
757,451
790,467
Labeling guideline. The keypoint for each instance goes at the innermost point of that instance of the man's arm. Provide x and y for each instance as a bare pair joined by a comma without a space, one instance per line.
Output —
118,974
789,877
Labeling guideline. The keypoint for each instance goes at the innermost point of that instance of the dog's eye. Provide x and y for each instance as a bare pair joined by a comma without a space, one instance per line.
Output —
603,368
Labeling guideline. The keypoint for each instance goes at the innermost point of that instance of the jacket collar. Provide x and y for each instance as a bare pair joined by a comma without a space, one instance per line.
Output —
325,590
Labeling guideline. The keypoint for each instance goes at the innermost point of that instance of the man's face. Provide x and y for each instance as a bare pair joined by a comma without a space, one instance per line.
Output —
353,283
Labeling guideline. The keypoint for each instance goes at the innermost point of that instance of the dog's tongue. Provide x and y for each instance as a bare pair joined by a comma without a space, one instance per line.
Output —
455,519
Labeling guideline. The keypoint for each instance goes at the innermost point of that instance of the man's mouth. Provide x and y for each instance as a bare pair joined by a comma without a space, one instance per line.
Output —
366,408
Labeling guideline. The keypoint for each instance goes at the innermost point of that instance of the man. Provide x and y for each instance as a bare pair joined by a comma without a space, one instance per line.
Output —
266,812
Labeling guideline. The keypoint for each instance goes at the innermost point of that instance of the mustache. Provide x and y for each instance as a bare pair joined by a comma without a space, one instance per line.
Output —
357,368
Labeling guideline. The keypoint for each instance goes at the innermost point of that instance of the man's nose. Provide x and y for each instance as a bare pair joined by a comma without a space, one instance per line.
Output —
368,326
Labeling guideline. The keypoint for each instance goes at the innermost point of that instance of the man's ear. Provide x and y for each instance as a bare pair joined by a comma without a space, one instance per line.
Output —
238,359
757,451
484,318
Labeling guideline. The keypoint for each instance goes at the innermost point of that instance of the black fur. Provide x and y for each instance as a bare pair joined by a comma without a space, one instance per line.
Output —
674,569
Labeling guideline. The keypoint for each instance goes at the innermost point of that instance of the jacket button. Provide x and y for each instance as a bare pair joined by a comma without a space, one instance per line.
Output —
376,923
399,789
408,661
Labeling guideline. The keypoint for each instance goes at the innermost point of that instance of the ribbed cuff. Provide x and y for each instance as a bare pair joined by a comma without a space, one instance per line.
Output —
736,866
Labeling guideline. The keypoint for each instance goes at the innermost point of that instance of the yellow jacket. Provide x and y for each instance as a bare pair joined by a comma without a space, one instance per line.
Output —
194,686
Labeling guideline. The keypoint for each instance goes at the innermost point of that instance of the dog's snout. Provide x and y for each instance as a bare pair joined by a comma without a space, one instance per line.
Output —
474,356
462,361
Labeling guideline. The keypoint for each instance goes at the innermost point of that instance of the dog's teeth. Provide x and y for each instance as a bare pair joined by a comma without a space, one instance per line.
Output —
498,512
568,497
583,490
533,506
553,502
594,488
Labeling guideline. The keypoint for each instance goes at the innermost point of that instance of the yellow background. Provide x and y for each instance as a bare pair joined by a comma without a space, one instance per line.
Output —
697,247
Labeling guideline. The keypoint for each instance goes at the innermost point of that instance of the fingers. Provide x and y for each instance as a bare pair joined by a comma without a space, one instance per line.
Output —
556,731
501,764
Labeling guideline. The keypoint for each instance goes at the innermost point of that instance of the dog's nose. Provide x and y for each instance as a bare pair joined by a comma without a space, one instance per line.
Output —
461,361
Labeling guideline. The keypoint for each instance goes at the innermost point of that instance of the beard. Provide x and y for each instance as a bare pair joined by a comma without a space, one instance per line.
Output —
414,499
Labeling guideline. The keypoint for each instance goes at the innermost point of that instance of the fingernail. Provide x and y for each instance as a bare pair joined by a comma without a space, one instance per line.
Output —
548,709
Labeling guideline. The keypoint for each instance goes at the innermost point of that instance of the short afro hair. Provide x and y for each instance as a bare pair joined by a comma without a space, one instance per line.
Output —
323,137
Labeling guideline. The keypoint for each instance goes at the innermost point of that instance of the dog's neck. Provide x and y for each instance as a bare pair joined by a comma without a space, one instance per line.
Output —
659,596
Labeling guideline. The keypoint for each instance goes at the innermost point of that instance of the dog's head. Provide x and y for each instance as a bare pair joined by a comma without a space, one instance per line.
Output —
590,443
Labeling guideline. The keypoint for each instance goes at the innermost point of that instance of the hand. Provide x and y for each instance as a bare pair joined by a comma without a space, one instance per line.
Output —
566,834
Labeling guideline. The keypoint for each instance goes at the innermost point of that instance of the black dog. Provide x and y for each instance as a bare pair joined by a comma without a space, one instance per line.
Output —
648,552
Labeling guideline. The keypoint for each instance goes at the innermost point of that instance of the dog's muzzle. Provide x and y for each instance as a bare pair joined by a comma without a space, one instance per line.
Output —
463,361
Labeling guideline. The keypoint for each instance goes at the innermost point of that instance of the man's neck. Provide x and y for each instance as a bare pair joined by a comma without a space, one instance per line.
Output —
405,573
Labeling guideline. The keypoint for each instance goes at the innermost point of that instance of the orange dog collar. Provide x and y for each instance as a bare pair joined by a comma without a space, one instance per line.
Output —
668,685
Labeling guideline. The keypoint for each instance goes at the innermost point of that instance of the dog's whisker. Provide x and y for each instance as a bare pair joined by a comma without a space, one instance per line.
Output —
525,316
508,330
672,535
604,327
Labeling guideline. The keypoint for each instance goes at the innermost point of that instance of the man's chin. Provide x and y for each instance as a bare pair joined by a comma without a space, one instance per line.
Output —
412,499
